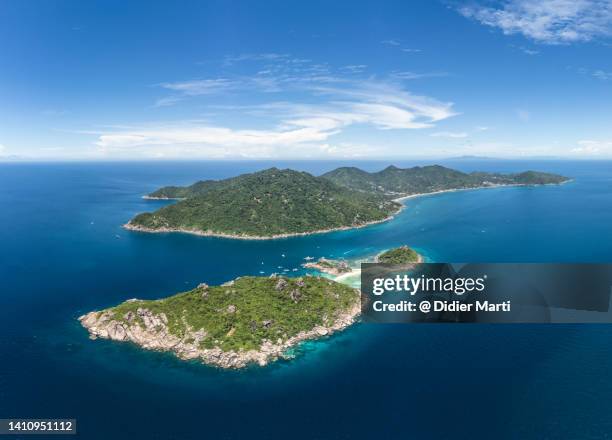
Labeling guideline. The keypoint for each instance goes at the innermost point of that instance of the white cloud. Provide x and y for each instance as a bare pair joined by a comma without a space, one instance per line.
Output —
391,42
2,150
201,86
450,135
168,101
528,51
340,104
602,75
398,45
355,68
312,103
423,109
548,21
593,148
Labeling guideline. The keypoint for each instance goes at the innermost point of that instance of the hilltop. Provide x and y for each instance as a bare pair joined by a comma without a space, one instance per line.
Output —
279,203
247,320
399,255
394,181
266,204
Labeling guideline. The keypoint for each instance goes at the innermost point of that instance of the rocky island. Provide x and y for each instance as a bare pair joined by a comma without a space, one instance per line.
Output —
331,267
250,320
276,203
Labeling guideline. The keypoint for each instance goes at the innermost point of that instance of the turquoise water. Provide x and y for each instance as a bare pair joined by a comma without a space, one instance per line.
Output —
62,253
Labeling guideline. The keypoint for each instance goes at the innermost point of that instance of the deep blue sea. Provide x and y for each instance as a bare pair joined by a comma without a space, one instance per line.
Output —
63,253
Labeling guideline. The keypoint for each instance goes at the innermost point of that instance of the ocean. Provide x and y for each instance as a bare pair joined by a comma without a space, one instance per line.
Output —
63,253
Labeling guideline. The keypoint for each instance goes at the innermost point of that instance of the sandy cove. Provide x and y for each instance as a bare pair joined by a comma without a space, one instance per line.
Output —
357,271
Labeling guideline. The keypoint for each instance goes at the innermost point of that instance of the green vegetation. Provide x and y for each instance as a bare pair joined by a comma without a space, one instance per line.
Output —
182,192
395,181
400,255
277,202
268,203
240,315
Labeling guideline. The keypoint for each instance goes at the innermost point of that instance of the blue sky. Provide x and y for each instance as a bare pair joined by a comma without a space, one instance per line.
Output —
311,79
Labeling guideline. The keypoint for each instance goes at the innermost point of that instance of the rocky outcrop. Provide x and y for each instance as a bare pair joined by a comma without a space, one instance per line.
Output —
332,267
150,331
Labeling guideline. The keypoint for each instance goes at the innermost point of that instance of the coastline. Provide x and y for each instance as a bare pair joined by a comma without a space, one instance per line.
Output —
413,196
355,272
163,198
419,260
155,336
139,228
129,226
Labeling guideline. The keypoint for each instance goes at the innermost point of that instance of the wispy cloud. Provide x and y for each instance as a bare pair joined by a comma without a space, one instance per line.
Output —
547,21
391,42
287,107
398,45
200,86
602,75
526,50
593,148
355,68
450,135
530,51
336,104
415,75
232,59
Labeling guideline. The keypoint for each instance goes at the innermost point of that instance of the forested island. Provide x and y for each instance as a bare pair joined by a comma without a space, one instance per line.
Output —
401,182
399,255
277,203
250,320
266,204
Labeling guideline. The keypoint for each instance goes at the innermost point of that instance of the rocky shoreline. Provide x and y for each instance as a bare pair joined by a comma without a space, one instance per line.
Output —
330,267
153,334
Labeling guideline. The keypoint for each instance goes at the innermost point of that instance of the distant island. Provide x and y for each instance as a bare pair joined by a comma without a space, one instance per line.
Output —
250,320
278,203
402,182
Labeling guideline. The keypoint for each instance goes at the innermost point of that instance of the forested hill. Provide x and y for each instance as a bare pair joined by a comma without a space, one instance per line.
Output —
395,181
268,203
278,202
